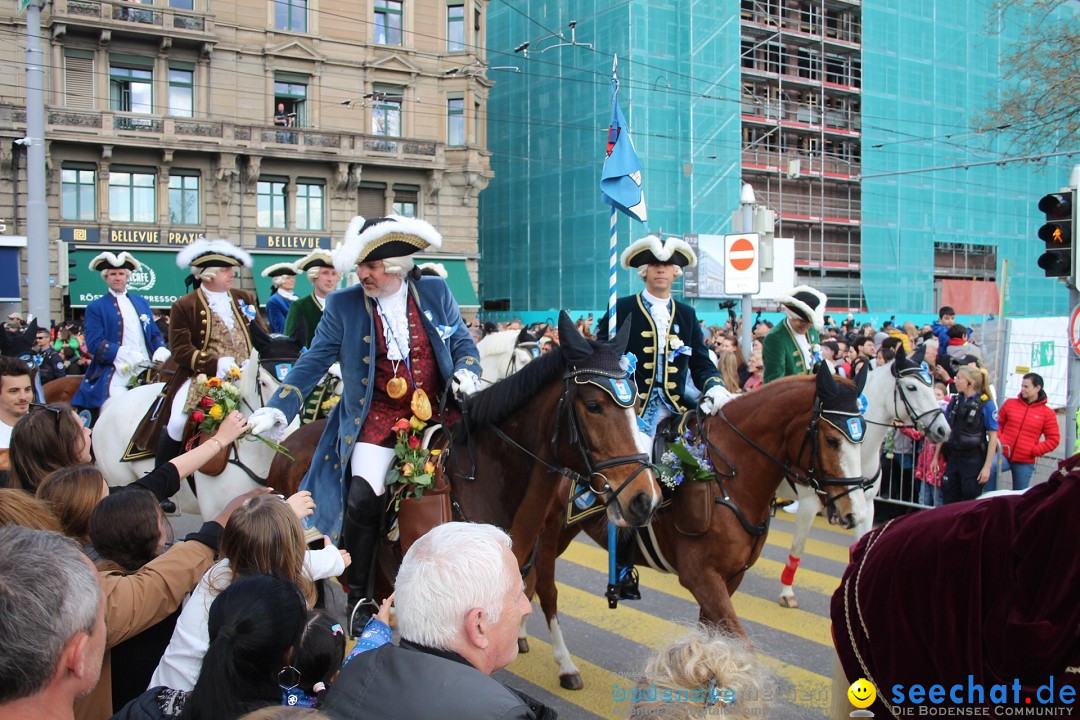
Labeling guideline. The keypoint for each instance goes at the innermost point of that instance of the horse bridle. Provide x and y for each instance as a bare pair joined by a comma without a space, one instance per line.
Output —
916,418
579,441
792,474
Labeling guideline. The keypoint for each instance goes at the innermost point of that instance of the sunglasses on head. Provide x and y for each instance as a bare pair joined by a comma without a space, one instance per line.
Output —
57,412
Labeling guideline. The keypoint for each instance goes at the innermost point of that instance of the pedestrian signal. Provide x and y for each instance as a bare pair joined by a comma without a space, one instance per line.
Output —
1058,234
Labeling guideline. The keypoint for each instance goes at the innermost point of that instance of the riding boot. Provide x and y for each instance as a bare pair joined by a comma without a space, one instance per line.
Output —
167,449
363,516
626,575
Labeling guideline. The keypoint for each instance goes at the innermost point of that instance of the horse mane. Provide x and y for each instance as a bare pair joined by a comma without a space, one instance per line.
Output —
247,383
494,404
498,343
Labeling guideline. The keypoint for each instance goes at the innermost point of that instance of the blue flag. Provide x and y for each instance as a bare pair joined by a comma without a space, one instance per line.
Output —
620,183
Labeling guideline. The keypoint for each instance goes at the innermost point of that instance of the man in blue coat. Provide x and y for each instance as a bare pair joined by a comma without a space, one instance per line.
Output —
283,277
395,335
120,333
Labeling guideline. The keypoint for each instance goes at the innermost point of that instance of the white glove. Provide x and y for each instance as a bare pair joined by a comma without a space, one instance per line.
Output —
715,399
224,365
161,355
334,370
465,382
269,422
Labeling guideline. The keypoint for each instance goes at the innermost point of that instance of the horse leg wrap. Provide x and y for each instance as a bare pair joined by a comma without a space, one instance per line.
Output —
788,576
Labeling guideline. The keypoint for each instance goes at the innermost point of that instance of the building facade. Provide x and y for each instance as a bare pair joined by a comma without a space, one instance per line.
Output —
832,110
267,122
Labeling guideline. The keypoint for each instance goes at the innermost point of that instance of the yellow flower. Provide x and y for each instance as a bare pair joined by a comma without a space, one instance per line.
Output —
429,468
329,404
408,470
417,423
216,412
213,382
234,372
436,451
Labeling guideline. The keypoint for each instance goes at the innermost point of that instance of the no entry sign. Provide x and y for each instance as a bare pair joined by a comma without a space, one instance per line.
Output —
741,267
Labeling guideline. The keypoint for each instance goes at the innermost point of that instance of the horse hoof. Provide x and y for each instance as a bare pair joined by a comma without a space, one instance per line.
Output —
523,645
788,601
571,681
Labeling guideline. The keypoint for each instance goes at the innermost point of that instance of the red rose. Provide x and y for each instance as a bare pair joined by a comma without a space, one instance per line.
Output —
198,416
414,442
207,402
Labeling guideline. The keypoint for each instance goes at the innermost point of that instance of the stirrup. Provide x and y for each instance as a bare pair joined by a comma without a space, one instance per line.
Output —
365,603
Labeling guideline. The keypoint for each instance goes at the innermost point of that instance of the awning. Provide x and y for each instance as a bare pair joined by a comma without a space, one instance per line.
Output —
457,277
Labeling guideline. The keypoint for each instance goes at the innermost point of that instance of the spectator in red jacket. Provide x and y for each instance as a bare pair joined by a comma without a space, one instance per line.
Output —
1028,428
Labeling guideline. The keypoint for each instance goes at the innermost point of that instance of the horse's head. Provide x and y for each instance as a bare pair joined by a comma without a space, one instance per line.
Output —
274,355
604,426
834,438
913,398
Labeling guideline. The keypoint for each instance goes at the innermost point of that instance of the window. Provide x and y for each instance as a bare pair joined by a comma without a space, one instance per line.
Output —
386,111
455,121
455,28
290,98
78,192
270,204
387,22
371,200
131,196
309,205
405,200
181,92
79,79
183,198
290,15
131,88
476,122
182,4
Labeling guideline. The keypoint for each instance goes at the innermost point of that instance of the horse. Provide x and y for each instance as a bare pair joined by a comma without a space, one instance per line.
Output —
505,352
803,429
566,413
62,389
899,391
249,459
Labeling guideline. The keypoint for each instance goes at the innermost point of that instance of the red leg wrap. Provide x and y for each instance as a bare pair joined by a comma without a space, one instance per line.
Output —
788,575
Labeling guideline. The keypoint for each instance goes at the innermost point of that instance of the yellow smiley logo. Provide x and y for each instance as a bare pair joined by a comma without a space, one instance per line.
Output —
861,693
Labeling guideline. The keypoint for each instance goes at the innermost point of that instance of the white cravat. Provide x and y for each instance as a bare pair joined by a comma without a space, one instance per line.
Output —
221,304
133,332
395,317
660,310
286,294
803,343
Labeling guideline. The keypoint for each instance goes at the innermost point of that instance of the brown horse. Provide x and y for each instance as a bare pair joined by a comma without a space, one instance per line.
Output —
62,389
567,413
799,428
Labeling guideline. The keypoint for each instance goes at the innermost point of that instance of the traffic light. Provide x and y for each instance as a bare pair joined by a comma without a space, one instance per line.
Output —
64,264
1057,233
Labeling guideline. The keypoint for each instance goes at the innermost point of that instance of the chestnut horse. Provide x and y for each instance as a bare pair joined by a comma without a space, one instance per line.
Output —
62,389
567,413
801,429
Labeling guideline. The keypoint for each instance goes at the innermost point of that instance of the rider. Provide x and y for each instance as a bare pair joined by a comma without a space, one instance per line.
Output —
325,278
789,348
395,335
662,371
208,331
119,331
283,276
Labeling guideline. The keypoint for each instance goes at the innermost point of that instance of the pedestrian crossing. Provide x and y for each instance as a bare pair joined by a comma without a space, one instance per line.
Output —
610,647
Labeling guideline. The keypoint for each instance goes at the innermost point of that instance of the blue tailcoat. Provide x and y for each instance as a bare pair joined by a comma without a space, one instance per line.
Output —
277,309
345,335
103,330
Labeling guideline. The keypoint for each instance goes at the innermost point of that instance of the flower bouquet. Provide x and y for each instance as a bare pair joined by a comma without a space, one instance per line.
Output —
219,397
414,465
685,459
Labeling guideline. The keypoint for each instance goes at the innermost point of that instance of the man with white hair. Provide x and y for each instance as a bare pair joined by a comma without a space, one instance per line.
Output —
208,334
52,624
120,333
308,311
668,347
283,277
460,601
400,340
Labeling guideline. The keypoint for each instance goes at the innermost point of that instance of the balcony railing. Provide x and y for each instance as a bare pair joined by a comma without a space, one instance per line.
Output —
808,164
805,114
138,17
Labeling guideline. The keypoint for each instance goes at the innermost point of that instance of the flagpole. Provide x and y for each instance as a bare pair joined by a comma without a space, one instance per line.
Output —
612,594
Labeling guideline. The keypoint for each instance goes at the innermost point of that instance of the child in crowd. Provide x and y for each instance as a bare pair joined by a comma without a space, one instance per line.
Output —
924,470
317,660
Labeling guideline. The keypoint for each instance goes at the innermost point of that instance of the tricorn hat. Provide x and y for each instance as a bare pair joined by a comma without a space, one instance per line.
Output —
281,268
315,259
807,303
436,269
203,253
382,238
651,249
110,261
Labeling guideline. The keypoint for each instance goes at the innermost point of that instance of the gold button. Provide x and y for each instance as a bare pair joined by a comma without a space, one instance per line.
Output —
336,466
348,439
363,381
202,312
367,338
356,421
362,402
367,359
326,458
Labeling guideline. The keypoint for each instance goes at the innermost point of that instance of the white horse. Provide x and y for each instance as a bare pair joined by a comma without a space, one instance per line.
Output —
505,352
900,391
249,458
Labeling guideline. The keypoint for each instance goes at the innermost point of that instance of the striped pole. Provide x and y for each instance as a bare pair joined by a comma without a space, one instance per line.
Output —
612,260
